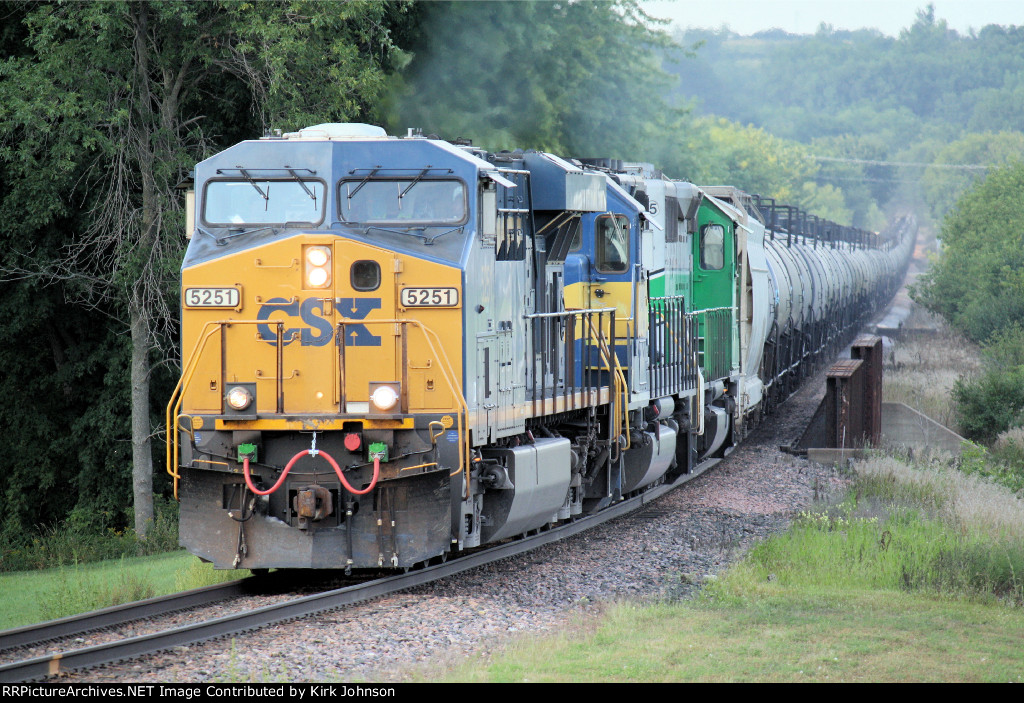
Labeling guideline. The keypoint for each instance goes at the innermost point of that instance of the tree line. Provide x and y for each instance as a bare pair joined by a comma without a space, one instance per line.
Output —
883,118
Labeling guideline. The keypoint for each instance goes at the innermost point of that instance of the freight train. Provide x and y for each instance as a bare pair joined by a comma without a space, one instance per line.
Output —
398,348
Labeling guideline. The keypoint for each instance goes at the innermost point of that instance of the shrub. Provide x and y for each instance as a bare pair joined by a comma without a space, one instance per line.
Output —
989,403
82,538
1008,454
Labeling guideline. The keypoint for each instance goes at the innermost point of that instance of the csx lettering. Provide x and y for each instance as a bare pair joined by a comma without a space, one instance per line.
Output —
318,331
358,309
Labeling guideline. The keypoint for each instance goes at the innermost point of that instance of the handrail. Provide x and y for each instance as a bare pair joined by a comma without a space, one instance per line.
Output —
674,342
554,340
567,312
622,388
188,371
716,361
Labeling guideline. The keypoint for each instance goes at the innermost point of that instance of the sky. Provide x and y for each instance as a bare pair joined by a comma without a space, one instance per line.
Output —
804,16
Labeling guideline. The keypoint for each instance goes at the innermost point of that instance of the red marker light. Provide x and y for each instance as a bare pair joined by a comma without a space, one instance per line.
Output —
352,442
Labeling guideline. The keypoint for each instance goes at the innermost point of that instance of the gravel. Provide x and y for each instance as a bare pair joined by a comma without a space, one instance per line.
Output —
664,551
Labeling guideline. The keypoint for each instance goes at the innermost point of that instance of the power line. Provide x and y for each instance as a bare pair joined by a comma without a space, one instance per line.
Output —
833,179
871,162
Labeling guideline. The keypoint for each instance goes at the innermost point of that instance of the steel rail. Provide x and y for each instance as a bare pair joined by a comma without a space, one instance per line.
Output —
118,615
121,614
53,664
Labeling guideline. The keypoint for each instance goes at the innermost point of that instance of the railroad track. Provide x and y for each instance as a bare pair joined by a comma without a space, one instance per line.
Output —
132,647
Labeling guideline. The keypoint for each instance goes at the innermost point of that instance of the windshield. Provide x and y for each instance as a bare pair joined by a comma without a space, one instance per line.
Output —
263,202
403,201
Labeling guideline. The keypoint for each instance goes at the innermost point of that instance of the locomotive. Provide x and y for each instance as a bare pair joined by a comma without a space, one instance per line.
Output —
397,348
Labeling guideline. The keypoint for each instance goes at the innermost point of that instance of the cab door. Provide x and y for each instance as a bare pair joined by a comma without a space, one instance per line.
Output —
613,276
714,275
602,273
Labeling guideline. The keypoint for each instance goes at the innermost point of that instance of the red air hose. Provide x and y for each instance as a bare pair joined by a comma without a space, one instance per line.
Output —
311,452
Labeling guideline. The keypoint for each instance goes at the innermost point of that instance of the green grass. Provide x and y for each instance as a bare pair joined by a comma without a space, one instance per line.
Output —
780,636
86,537
28,597
917,574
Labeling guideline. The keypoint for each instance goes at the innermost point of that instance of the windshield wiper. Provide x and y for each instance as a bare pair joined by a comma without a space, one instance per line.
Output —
221,241
416,231
265,196
414,182
298,180
430,240
406,230
363,182
211,235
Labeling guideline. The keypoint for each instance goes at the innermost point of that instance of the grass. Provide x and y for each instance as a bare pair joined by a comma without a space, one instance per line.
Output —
915,575
921,369
82,538
906,527
785,637
28,597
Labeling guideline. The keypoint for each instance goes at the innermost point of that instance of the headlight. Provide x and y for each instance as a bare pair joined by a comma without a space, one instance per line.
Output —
384,398
239,398
317,278
317,256
318,267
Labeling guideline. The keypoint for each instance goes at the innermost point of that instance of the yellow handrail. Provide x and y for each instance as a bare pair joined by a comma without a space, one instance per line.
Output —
174,404
620,397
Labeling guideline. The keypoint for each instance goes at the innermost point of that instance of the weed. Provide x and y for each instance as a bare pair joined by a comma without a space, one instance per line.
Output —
196,574
82,538
77,591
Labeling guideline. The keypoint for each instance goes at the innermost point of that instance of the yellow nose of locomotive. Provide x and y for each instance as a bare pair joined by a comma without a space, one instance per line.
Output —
323,327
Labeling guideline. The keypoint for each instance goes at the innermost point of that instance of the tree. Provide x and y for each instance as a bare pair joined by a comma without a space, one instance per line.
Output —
977,283
959,163
720,151
107,108
571,77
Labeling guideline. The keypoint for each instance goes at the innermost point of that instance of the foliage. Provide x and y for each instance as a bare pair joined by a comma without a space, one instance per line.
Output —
199,574
885,112
836,79
903,526
1003,464
989,403
978,281
943,185
70,596
719,151
84,537
572,77
28,597
1007,456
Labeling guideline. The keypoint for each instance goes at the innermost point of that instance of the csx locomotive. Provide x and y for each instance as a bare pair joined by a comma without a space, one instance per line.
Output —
399,348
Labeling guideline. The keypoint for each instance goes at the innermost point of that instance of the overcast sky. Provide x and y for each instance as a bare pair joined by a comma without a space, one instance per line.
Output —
804,16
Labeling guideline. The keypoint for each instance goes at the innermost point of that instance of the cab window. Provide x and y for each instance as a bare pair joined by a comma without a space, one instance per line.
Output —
712,247
403,201
612,244
263,201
